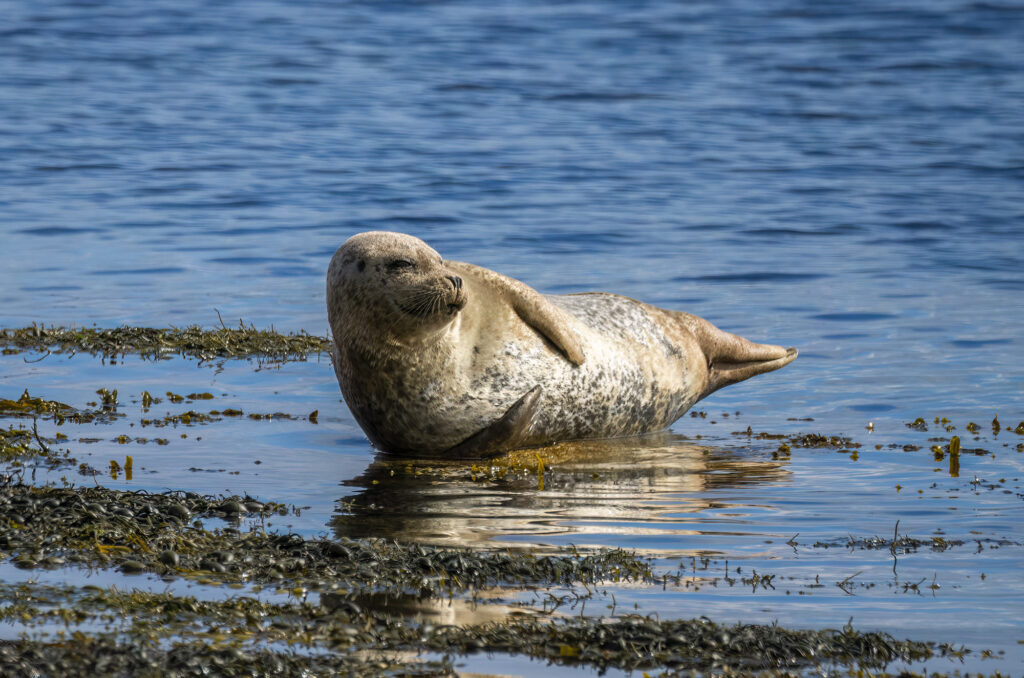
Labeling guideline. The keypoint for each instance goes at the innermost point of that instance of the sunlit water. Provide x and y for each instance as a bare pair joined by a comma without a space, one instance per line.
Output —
844,178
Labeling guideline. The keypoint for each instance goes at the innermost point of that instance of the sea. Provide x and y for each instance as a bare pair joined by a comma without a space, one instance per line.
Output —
842,177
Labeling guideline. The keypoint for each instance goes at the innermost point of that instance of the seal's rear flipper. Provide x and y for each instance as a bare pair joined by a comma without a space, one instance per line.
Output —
507,433
732,358
722,373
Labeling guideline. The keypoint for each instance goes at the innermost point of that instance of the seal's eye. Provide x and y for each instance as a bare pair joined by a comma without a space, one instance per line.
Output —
400,265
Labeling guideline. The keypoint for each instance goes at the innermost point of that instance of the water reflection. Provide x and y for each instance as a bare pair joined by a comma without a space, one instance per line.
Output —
595,491
427,610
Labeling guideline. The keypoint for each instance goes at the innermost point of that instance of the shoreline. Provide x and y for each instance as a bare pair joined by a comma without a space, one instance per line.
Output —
288,603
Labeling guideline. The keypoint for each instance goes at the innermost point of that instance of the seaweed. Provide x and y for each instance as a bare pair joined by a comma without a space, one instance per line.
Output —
244,341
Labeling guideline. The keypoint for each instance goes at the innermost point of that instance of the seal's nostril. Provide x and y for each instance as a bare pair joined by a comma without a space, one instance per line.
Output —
456,281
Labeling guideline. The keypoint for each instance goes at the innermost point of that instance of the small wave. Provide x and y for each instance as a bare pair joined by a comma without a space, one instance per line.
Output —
141,271
407,219
801,68
293,271
214,167
922,226
49,288
75,168
463,87
591,239
853,316
602,96
58,230
976,343
872,407
938,65
221,204
1004,283
754,276
286,82
251,260
828,231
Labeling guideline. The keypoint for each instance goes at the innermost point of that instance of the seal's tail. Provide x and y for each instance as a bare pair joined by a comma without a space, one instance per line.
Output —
732,358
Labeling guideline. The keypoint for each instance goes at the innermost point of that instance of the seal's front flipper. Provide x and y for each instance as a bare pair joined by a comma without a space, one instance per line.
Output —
534,308
549,320
507,433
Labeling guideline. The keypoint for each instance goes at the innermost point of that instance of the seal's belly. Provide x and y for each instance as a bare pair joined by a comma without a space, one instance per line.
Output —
641,373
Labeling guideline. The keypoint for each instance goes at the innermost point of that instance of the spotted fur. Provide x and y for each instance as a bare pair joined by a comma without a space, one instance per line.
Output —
430,353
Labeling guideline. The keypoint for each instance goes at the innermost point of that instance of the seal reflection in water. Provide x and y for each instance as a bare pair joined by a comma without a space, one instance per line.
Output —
442,358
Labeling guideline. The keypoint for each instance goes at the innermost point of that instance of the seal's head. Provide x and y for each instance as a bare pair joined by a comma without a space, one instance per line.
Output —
395,282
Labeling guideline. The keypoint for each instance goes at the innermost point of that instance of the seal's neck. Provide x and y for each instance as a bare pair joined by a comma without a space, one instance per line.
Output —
381,345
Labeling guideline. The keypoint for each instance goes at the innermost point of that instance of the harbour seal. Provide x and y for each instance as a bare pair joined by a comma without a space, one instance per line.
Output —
443,358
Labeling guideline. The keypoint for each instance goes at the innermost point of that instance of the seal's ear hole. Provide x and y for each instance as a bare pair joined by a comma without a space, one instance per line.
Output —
361,265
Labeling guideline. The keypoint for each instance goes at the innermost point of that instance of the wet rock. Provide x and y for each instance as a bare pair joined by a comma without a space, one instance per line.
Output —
231,507
132,567
178,511
169,558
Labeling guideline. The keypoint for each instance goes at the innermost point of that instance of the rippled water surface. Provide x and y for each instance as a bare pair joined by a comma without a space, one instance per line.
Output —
846,178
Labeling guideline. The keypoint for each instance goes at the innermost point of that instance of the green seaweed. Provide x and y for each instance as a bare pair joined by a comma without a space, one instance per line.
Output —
102,527
159,343
341,631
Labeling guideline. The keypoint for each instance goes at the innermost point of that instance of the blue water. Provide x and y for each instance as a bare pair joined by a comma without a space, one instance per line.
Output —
847,178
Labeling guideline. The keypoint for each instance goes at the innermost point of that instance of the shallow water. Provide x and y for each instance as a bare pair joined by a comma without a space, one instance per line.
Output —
844,178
